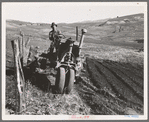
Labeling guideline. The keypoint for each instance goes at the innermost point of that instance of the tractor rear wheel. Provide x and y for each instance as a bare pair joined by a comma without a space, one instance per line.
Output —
70,80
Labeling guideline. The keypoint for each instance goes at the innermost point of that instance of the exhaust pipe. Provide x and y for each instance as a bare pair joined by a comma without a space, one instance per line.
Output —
82,39
76,33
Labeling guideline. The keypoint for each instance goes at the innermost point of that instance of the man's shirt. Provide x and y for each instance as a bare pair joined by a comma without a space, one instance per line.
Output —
53,34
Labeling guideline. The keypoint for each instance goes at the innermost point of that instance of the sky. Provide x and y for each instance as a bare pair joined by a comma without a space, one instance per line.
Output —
63,12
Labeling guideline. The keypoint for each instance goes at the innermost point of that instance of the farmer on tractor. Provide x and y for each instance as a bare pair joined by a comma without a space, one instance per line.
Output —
55,36
52,35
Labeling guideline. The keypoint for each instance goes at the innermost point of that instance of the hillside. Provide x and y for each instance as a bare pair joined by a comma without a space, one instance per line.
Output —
111,81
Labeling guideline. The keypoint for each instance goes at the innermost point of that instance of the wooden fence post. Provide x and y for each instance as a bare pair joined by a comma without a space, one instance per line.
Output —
23,45
27,42
13,43
26,51
19,76
20,49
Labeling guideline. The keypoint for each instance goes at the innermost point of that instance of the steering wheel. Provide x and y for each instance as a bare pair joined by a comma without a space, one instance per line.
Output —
61,36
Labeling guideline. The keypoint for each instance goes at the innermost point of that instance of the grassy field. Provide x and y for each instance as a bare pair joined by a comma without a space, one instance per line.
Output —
111,81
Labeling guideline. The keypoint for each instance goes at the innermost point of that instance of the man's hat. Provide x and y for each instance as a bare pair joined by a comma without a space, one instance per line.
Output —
53,24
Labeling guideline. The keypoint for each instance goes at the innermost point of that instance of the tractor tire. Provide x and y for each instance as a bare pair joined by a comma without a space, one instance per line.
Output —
60,80
70,82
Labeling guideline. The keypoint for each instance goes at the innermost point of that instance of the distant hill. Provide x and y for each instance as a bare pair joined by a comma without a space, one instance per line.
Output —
117,20
17,22
130,17
134,17
126,30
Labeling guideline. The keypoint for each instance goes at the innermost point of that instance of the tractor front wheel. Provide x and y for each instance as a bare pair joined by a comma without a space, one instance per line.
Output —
70,80
60,80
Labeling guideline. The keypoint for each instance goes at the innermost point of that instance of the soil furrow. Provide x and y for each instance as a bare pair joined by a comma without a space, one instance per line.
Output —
137,78
96,103
127,86
116,101
98,80
119,89
122,91
126,80
109,105
136,68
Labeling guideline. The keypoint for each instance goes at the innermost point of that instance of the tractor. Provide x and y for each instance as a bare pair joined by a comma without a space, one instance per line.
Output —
66,59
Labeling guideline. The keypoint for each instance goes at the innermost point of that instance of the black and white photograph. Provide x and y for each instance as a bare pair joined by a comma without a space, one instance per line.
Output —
74,61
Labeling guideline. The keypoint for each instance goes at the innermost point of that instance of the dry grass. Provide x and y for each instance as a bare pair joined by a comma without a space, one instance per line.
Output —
113,53
46,103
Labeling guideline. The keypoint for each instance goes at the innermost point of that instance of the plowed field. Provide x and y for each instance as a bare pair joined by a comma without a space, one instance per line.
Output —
116,86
